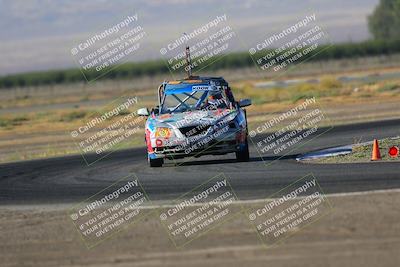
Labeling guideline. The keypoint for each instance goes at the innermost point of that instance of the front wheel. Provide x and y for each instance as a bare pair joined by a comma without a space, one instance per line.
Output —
243,154
156,162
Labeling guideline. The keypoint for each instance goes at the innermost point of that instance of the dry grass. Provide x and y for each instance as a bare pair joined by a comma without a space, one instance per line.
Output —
362,153
45,132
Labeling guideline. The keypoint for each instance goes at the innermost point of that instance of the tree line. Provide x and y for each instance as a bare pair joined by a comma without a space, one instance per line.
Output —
228,61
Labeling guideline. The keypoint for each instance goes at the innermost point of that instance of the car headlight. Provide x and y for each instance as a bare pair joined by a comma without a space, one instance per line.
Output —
163,132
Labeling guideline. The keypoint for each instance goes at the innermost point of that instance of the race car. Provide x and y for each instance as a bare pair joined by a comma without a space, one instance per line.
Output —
195,116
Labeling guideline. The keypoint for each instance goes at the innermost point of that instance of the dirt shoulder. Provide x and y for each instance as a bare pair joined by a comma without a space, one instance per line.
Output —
361,230
363,152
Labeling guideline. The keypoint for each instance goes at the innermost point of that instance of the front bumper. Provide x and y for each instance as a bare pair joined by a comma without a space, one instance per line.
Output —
223,144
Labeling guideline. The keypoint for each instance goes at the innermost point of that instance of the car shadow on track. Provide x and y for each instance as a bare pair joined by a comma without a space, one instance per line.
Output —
228,161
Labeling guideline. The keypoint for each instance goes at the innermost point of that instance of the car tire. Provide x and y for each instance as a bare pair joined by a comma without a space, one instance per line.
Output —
156,162
243,155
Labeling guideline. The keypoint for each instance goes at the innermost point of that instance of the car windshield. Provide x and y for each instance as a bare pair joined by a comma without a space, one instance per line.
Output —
179,100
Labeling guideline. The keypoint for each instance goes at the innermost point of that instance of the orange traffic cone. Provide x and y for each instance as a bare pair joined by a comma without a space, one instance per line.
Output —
376,154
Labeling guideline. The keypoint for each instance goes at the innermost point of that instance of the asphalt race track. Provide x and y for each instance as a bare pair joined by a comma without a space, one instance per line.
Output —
69,180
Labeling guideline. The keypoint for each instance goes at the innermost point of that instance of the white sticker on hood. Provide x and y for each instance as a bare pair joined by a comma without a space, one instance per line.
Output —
201,88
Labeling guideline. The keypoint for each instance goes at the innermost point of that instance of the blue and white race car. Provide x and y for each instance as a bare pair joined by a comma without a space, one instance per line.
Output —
194,117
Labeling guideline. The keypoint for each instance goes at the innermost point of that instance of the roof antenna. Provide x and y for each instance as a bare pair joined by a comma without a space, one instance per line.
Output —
188,62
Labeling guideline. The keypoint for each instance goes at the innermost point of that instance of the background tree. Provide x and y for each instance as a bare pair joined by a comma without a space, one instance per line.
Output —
384,23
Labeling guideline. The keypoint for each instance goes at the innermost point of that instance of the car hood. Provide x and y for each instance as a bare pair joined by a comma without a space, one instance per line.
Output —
196,117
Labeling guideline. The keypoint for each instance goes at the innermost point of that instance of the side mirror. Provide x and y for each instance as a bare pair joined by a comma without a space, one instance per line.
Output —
244,102
143,112
155,110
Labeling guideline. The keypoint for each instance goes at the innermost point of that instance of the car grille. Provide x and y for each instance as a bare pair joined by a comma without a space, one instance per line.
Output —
232,125
194,130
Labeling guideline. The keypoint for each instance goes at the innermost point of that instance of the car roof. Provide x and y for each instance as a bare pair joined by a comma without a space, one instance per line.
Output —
186,85
198,80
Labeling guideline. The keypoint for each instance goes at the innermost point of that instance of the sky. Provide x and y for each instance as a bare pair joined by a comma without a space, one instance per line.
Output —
39,34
